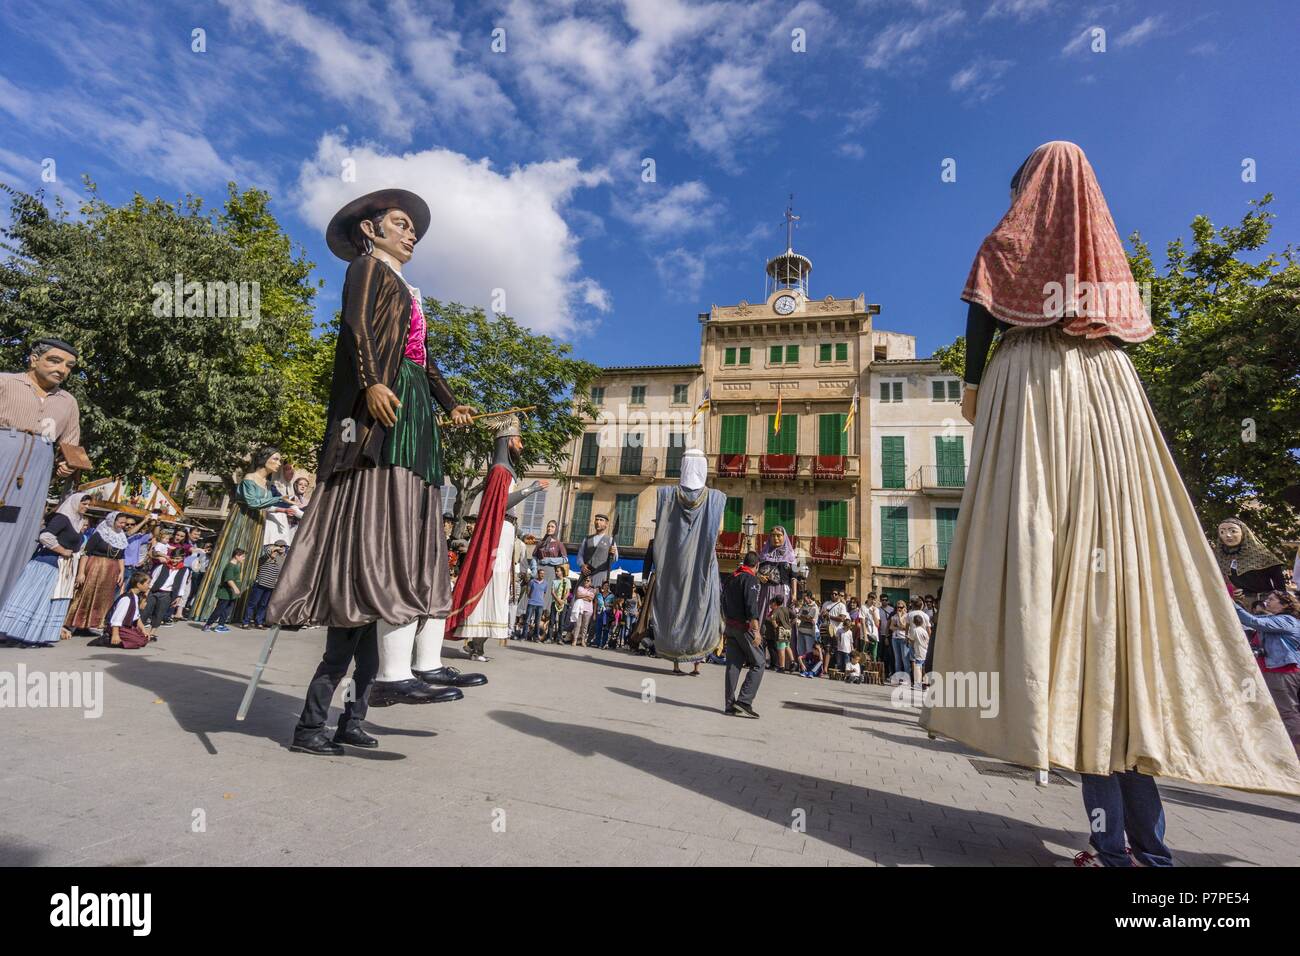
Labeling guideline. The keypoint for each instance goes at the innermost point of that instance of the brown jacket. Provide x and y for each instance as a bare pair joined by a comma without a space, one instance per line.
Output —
372,341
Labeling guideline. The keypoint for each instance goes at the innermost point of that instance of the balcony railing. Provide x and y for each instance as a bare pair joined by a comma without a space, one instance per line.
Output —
928,558
616,466
938,479
787,467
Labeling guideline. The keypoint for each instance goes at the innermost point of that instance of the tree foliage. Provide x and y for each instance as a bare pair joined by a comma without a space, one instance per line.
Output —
159,392
493,363
1223,370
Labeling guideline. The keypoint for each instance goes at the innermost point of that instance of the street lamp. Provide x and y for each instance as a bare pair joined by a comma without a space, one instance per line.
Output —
750,526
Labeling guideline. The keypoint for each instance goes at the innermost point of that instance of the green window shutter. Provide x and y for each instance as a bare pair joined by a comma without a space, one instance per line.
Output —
638,394
832,439
950,457
937,390
893,536
897,388
841,351
824,352
679,395
587,461
893,462
832,519
946,523
893,595
884,391
733,515
630,459
676,449
791,354
954,390
786,441
734,428
744,355
597,394
774,355
581,516
625,515
729,357
778,511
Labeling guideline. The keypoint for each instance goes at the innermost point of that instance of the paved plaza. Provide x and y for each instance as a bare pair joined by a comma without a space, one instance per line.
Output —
568,756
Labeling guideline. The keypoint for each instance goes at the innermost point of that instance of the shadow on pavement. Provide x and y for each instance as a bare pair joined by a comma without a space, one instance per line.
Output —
660,699
686,768
203,701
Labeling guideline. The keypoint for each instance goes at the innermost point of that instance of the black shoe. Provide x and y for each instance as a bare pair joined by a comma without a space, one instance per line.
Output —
387,693
451,677
731,712
744,710
317,743
100,641
356,737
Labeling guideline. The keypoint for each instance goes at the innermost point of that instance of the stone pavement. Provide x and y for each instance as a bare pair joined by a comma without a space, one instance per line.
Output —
560,759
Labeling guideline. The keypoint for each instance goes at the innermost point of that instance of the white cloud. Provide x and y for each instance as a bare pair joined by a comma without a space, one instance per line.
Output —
979,81
852,150
1208,48
490,230
1020,9
905,37
660,212
1139,32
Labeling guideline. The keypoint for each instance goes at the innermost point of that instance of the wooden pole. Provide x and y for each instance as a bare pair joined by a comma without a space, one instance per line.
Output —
508,411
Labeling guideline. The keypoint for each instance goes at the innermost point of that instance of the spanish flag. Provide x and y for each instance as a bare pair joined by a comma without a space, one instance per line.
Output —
853,409
702,407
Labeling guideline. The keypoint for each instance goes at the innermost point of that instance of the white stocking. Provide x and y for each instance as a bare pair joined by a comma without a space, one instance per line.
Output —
428,645
395,643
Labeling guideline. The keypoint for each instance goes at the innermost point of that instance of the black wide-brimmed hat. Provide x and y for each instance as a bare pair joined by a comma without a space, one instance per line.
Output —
338,233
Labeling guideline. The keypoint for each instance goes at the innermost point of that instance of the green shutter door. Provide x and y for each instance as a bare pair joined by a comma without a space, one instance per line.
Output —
786,441
832,519
832,439
894,595
893,536
625,515
778,511
581,517
733,515
587,463
733,434
893,462
946,523
950,455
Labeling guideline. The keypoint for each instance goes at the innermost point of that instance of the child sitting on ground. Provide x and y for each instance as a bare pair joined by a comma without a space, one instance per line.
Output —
813,662
853,669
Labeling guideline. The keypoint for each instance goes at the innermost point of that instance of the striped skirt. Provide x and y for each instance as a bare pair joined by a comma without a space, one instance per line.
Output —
1081,580
32,614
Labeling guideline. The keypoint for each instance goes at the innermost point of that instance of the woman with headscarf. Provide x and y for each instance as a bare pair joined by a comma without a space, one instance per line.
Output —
256,496
1244,561
1079,574
776,563
34,614
99,574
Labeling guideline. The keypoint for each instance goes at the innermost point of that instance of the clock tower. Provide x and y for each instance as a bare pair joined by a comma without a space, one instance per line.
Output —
786,287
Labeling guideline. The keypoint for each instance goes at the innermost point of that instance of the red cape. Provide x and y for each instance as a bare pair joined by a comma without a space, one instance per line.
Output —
480,556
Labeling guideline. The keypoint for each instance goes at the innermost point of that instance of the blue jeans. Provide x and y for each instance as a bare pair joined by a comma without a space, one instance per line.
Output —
532,622
258,598
1126,803
221,613
902,655
602,629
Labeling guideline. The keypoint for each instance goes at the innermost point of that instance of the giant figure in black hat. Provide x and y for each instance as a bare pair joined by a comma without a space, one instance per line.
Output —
370,559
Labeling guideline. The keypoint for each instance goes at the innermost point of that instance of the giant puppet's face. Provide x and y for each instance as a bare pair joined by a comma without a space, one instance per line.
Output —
1230,534
52,367
395,236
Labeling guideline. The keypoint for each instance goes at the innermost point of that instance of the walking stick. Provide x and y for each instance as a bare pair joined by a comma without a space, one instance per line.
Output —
257,673
474,418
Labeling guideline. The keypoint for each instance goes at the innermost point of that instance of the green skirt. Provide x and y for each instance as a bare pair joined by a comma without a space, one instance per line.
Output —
413,442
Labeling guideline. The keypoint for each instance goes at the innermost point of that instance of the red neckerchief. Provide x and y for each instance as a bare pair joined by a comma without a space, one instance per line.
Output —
743,570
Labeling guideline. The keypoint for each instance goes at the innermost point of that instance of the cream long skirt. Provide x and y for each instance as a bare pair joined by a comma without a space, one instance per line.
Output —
1079,578
492,615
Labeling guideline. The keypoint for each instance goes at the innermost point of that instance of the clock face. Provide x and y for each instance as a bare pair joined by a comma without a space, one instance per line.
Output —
784,305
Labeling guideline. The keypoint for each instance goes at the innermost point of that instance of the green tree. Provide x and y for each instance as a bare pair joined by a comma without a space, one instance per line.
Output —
952,358
1223,370
493,363
159,391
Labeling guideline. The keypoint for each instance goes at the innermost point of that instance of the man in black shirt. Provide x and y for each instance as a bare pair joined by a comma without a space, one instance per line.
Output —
744,644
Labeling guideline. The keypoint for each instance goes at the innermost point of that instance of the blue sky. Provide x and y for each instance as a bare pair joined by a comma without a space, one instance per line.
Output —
532,156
